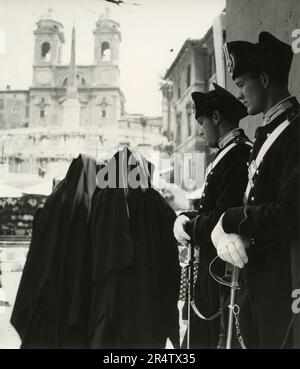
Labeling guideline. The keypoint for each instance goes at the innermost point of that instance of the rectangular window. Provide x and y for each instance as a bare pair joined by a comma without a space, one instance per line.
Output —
189,121
188,76
42,114
103,114
212,65
178,128
178,89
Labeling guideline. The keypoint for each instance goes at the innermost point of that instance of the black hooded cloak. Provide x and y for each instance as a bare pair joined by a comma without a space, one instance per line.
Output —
53,300
136,273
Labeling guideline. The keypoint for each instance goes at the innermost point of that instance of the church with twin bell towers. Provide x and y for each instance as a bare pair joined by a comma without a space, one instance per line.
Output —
70,109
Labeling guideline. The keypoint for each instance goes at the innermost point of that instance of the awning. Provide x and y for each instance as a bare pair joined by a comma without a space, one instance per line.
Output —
9,191
44,189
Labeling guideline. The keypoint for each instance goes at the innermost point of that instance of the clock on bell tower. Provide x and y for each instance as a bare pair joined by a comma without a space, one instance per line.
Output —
43,77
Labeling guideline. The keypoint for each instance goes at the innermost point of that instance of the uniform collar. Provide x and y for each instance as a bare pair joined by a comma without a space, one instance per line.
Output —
230,136
278,109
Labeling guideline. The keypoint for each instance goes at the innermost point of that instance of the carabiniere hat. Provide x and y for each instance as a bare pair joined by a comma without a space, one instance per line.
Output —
218,99
269,53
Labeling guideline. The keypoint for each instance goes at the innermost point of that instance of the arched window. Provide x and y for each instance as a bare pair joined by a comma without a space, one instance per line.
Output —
105,51
46,51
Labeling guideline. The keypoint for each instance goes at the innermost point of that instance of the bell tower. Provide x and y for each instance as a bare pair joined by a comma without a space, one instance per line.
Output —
49,39
110,100
107,38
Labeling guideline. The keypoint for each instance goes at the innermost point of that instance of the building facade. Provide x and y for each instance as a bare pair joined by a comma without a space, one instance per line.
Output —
101,99
70,109
195,68
14,108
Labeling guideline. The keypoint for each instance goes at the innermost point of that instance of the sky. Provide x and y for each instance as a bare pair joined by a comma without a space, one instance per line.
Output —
152,35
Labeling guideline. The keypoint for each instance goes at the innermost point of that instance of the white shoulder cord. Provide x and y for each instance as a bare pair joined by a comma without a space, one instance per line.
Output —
253,168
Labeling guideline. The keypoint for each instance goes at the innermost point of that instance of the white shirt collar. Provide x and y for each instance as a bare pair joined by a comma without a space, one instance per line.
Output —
223,141
277,109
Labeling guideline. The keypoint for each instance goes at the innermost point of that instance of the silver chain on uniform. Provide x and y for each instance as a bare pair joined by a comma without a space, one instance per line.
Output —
236,310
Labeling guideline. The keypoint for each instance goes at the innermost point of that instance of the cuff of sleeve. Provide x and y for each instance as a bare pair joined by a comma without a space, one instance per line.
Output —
232,219
189,214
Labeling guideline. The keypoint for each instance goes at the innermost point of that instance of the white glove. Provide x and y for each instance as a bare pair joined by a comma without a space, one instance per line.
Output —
179,232
230,247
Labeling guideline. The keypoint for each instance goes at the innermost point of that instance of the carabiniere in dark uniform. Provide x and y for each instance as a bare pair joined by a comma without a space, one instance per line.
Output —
223,188
270,218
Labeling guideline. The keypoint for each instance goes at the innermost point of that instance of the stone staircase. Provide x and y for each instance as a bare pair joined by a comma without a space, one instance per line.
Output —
14,241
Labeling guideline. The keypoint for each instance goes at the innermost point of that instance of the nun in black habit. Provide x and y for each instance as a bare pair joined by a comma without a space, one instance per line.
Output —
136,273
53,300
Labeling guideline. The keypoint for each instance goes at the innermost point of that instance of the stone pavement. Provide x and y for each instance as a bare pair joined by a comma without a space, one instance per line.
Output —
12,261
9,338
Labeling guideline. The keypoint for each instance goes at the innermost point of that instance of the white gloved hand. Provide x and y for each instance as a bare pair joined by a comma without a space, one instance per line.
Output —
179,232
232,249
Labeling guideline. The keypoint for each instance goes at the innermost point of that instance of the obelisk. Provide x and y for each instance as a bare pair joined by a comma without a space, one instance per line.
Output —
71,105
